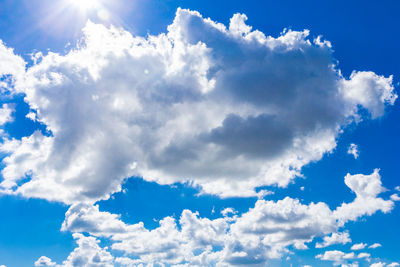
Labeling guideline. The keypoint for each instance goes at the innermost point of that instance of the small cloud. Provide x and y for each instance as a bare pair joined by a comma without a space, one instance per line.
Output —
44,261
358,246
335,238
31,116
353,150
376,245
395,197
5,113
227,211
364,255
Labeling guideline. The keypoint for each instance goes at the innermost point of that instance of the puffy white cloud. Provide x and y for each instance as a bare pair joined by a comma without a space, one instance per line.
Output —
395,197
5,114
366,188
269,230
377,264
370,91
358,246
375,245
9,62
364,255
353,150
338,257
335,238
393,264
44,261
230,109
225,212
88,253
88,218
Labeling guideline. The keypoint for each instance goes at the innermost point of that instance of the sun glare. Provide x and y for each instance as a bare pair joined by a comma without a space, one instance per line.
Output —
85,5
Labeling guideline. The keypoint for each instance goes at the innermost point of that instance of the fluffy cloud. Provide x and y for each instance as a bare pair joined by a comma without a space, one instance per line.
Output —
375,245
229,109
358,246
269,230
364,255
335,238
44,261
353,150
88,253
10,63
395,197
366,188
5,114
338,257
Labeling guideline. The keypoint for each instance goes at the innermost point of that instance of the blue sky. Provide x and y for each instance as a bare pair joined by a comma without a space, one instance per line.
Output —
195,133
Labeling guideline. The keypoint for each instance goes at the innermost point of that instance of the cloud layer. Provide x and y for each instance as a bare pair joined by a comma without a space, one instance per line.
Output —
267,231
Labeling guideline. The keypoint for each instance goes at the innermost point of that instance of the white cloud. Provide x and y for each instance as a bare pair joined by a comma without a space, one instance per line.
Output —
5,114
364,255
338,257
226,108
269,230
395,197
88,253
393,264
366,188
358,246
10,63
44,261
225,212
377,264
375,245
370,91
353,150
335,238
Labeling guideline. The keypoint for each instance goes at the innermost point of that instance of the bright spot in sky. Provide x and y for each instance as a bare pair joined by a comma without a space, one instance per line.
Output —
85,4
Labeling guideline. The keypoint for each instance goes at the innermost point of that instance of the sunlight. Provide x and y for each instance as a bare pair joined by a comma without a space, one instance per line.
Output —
85,5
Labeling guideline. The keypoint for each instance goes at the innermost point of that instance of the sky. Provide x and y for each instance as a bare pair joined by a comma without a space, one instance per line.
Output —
199,133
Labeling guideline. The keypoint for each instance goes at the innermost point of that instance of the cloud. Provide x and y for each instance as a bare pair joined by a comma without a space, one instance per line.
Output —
229,109
5,114
269,230
358,246
88,253
335,238
375,245
364,255
44,261
366,188
395,197
338,257
10,63
353,150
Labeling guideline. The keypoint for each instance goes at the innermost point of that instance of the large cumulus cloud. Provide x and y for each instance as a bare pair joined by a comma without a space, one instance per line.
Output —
229,109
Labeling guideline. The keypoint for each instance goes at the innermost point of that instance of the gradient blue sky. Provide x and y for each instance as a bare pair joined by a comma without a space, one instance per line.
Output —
364,37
